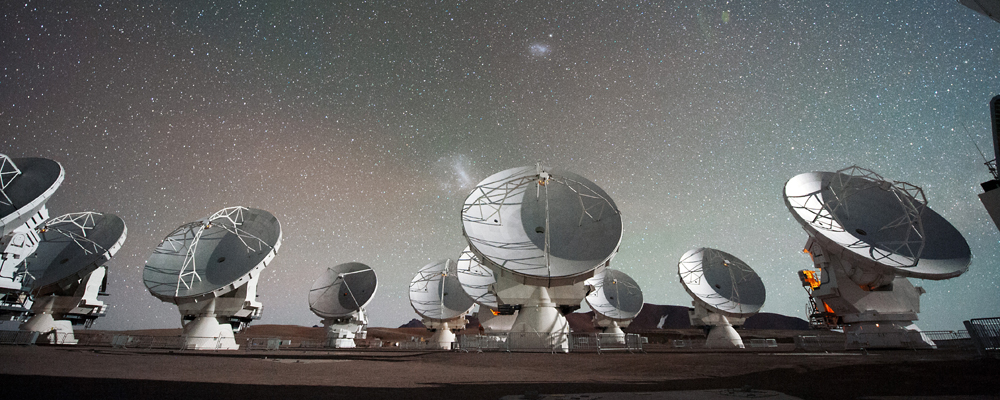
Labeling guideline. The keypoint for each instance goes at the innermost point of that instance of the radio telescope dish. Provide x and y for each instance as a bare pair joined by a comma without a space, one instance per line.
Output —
67,271
25,185
887,225
866,235
437,295
616,299
550,226
721,282
213,256
73,246
477,280
615,296
724,288
210,269
339,296
342,290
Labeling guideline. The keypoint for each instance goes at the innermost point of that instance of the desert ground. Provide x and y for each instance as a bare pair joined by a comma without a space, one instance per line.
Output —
91,371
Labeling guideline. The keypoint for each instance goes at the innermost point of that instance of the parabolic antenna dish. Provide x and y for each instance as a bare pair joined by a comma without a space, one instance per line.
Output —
543,223
25,185
342,290
436,293
615,296
476,279
72,246
721,282
886,225
213,256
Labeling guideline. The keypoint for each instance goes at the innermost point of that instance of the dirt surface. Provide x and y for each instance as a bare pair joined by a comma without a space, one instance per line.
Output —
36,372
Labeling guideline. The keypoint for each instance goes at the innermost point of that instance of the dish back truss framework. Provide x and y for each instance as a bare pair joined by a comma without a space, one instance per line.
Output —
542,232
866,236
210,269
339,296
726,291
66,273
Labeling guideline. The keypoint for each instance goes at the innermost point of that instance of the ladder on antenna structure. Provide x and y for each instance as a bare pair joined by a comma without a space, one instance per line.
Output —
820,318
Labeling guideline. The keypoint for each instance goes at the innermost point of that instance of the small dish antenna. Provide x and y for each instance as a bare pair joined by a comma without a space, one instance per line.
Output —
479,282
726,292
66,273
339,296
26,184
210,269
437,296
866,235
543,232
616,299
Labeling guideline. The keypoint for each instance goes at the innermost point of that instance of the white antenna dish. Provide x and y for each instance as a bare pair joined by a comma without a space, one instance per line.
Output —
549,226
721,282
67,272
725,290
616,299
437,295
477,280
615,296
339,296
72,246
866,235
210,269
886,225
543,232
26,184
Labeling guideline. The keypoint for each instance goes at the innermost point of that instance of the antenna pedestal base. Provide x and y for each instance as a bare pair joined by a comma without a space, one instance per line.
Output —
721,334
444,331
442,338
613,334
209,333
874,317
341,332
886,335
839,289
723,337
49,329
495,323
991,200
51,311
540,326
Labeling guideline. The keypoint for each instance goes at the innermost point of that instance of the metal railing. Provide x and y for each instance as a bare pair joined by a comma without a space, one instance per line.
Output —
547,342
819,343
985,335
21,338
763,343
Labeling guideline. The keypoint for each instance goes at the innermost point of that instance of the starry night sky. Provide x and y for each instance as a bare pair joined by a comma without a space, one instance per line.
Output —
364,125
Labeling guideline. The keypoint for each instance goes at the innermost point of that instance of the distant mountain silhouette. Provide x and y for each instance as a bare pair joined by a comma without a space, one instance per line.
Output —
654,316
414,323
775,321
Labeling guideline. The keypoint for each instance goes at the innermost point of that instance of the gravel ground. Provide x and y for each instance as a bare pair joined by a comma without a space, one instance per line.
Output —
56,372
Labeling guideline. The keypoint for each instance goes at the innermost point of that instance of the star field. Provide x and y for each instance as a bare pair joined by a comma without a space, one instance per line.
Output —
364,125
